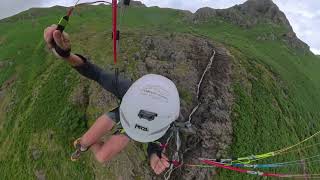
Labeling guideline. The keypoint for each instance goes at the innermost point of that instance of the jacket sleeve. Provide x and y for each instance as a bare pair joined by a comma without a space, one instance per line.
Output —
117,86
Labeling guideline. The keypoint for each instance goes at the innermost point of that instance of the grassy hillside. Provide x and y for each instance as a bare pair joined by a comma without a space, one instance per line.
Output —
277,95
276,90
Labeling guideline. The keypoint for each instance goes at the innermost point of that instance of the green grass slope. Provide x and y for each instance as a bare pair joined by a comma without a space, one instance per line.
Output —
276,90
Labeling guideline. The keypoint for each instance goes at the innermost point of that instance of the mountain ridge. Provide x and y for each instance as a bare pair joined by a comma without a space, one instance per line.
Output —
247,15
250,14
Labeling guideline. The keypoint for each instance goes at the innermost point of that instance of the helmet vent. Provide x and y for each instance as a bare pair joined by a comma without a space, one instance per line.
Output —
143,114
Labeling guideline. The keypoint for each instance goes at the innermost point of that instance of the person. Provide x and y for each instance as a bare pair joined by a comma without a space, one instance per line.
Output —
148,108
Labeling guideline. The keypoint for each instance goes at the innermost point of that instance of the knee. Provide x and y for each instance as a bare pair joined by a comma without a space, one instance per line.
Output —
101,158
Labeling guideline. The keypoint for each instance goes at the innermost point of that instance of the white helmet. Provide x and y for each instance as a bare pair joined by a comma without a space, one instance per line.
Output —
148,108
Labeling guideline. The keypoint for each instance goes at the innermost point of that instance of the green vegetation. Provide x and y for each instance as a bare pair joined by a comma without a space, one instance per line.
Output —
276,89
277,95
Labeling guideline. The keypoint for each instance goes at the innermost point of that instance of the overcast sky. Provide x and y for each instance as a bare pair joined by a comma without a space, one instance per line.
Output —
304,15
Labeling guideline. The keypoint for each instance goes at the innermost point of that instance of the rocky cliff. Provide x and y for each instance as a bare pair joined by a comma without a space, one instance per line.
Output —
252,13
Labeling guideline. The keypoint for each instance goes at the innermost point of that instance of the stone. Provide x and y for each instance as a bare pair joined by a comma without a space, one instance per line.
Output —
36,154
40,175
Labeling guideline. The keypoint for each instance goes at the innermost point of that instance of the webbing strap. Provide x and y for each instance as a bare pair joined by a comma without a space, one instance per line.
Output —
114,29
175,160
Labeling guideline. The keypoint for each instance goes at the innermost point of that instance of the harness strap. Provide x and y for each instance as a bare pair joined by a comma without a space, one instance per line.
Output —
114,29
175,160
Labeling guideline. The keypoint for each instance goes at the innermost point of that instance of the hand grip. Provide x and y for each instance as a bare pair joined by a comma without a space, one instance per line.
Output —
61,26
63,23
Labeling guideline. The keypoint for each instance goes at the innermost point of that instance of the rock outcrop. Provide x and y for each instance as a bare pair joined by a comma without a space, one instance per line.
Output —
183,59
137,4
292,39
247,14
251,13
134,3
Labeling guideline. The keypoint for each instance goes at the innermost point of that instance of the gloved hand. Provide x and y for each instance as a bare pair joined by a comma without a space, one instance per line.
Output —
58,42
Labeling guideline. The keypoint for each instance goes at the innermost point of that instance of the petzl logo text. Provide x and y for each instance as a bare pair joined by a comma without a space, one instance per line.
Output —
141,127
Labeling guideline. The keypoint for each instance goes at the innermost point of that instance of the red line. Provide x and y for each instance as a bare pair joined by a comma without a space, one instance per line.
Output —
225,167
242,170
274,175
114,29
70,11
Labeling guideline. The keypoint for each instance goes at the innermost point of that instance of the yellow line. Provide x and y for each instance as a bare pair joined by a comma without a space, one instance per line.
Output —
249,159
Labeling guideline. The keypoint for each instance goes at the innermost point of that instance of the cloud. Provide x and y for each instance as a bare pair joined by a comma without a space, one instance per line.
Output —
12,7
194,4
49,3
315,51
304,17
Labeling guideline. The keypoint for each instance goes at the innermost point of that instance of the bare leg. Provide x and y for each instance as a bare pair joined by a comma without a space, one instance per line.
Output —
106,151
102,125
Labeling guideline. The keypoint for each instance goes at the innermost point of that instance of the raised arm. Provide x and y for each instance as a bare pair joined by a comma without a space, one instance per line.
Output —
62,49
117,86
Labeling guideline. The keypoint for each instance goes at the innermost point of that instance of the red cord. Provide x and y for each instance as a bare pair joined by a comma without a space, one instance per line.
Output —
70,11
216,164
